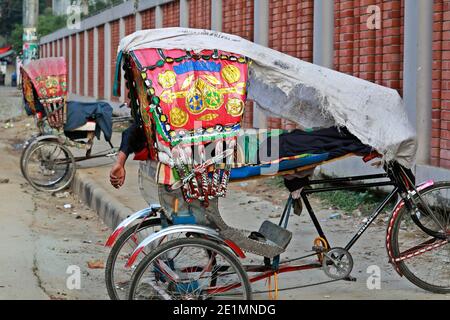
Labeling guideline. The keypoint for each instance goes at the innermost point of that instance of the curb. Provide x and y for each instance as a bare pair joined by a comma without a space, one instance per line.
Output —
108,208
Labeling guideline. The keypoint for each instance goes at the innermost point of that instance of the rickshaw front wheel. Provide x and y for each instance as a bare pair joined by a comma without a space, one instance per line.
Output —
419,241
49,166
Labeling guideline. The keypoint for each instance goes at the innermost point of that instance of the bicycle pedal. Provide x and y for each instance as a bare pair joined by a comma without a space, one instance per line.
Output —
318,249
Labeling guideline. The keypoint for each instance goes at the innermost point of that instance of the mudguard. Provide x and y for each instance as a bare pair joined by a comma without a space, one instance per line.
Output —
208,232
391,221
30,142
142,214
48,137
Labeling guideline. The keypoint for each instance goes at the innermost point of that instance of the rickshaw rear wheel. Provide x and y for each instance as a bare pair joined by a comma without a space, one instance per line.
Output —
49,166
140,231
417,241
171,272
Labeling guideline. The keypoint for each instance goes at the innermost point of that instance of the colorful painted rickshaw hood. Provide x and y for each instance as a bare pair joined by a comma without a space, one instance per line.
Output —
308,94
49,77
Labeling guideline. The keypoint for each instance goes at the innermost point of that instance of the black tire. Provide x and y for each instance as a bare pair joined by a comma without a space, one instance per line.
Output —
404,224
116,250
205,244
68,165
29,144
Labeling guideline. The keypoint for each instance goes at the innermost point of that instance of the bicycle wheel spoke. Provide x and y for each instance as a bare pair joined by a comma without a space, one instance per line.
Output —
43,168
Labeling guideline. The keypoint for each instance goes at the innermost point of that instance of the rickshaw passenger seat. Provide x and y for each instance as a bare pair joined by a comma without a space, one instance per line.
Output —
88,126
273,168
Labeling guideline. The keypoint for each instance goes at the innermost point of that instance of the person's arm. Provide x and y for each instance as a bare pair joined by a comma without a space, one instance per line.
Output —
118,173
133,140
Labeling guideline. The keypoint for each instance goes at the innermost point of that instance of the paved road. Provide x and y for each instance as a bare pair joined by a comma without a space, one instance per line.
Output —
10,103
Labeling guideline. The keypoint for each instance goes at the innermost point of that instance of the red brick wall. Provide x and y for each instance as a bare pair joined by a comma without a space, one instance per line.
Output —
238,19
440,141
81,66
66,55
130,25
148,19
291,32
374,55
200,14
90,76
115,38
101,60
171,14
291,27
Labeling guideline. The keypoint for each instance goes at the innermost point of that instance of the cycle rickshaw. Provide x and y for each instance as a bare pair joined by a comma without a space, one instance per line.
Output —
47,162
188,90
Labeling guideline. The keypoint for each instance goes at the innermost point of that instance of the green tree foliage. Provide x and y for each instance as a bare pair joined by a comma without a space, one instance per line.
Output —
11,27
10,14
16,38
48,23
96,6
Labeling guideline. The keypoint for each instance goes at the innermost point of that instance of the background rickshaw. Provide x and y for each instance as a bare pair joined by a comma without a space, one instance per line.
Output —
47,162
190,101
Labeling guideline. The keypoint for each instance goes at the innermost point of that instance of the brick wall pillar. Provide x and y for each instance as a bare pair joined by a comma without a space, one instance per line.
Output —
107,62
77,63
96,63
122,82
71,78
216,15
418,72
323,37
138,21
158,17
90,58
87,64
184,13
261,36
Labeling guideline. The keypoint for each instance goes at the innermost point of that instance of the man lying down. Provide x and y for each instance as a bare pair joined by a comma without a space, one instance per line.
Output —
286,148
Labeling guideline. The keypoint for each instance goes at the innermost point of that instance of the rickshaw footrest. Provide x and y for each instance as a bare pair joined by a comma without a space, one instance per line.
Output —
278,235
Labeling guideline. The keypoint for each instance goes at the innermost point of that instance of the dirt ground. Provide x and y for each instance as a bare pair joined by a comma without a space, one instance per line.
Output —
42,243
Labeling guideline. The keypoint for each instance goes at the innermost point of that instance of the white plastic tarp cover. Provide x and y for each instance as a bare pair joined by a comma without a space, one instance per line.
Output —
308,94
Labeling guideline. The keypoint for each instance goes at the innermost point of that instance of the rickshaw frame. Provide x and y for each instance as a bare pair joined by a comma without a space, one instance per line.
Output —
398,179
